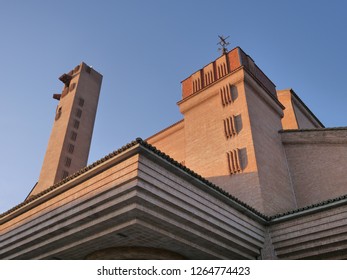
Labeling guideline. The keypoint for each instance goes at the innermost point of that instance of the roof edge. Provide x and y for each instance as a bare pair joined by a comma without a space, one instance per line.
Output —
316,207
242,206
138,141
338,128
71,177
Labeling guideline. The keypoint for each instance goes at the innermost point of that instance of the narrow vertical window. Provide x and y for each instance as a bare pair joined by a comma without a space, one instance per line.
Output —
76,124
71,148
72,86
73,136
80,102
58,113
67,161
78,113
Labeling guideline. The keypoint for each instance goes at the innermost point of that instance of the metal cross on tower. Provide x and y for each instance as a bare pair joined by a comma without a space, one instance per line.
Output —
223,43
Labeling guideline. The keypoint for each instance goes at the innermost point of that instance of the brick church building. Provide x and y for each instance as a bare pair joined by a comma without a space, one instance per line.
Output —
248,173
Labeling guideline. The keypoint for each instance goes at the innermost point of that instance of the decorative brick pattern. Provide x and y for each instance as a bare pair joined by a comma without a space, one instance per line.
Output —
208,78
211,73
230,127
221,70
196,85
225,94
234,163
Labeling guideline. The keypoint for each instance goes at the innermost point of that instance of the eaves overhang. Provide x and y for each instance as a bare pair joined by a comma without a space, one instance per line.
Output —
113,158
136,195
142,146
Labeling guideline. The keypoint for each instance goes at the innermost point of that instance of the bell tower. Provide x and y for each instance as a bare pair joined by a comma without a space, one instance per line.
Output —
231,121
69,142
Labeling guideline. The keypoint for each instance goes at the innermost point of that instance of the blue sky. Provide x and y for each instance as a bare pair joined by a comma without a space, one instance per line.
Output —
144,49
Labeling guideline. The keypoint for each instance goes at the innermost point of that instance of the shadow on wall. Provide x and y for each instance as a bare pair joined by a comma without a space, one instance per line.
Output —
234,92
244,186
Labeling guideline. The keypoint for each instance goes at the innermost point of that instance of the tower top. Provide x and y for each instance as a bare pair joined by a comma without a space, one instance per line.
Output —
224,65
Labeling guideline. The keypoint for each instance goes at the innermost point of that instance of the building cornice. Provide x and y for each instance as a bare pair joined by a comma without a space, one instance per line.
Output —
237,80
337,135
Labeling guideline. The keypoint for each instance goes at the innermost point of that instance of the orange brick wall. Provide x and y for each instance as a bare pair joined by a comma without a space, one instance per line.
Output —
206,144
234,59
296,114
171,141
289,120
232,62
187,87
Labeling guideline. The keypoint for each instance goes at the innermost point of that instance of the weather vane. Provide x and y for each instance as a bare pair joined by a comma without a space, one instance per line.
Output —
223,43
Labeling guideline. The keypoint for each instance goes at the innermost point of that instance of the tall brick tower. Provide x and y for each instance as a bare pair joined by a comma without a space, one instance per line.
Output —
230,132
231,120
69,143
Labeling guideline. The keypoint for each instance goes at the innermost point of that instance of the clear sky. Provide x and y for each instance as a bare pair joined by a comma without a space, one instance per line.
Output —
144,49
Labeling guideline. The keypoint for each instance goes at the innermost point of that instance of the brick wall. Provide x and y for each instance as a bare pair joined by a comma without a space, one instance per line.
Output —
289,120
317,161
296,113
265,119
171,141
207,144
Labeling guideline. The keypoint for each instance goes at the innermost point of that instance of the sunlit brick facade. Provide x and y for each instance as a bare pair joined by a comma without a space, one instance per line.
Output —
249,172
